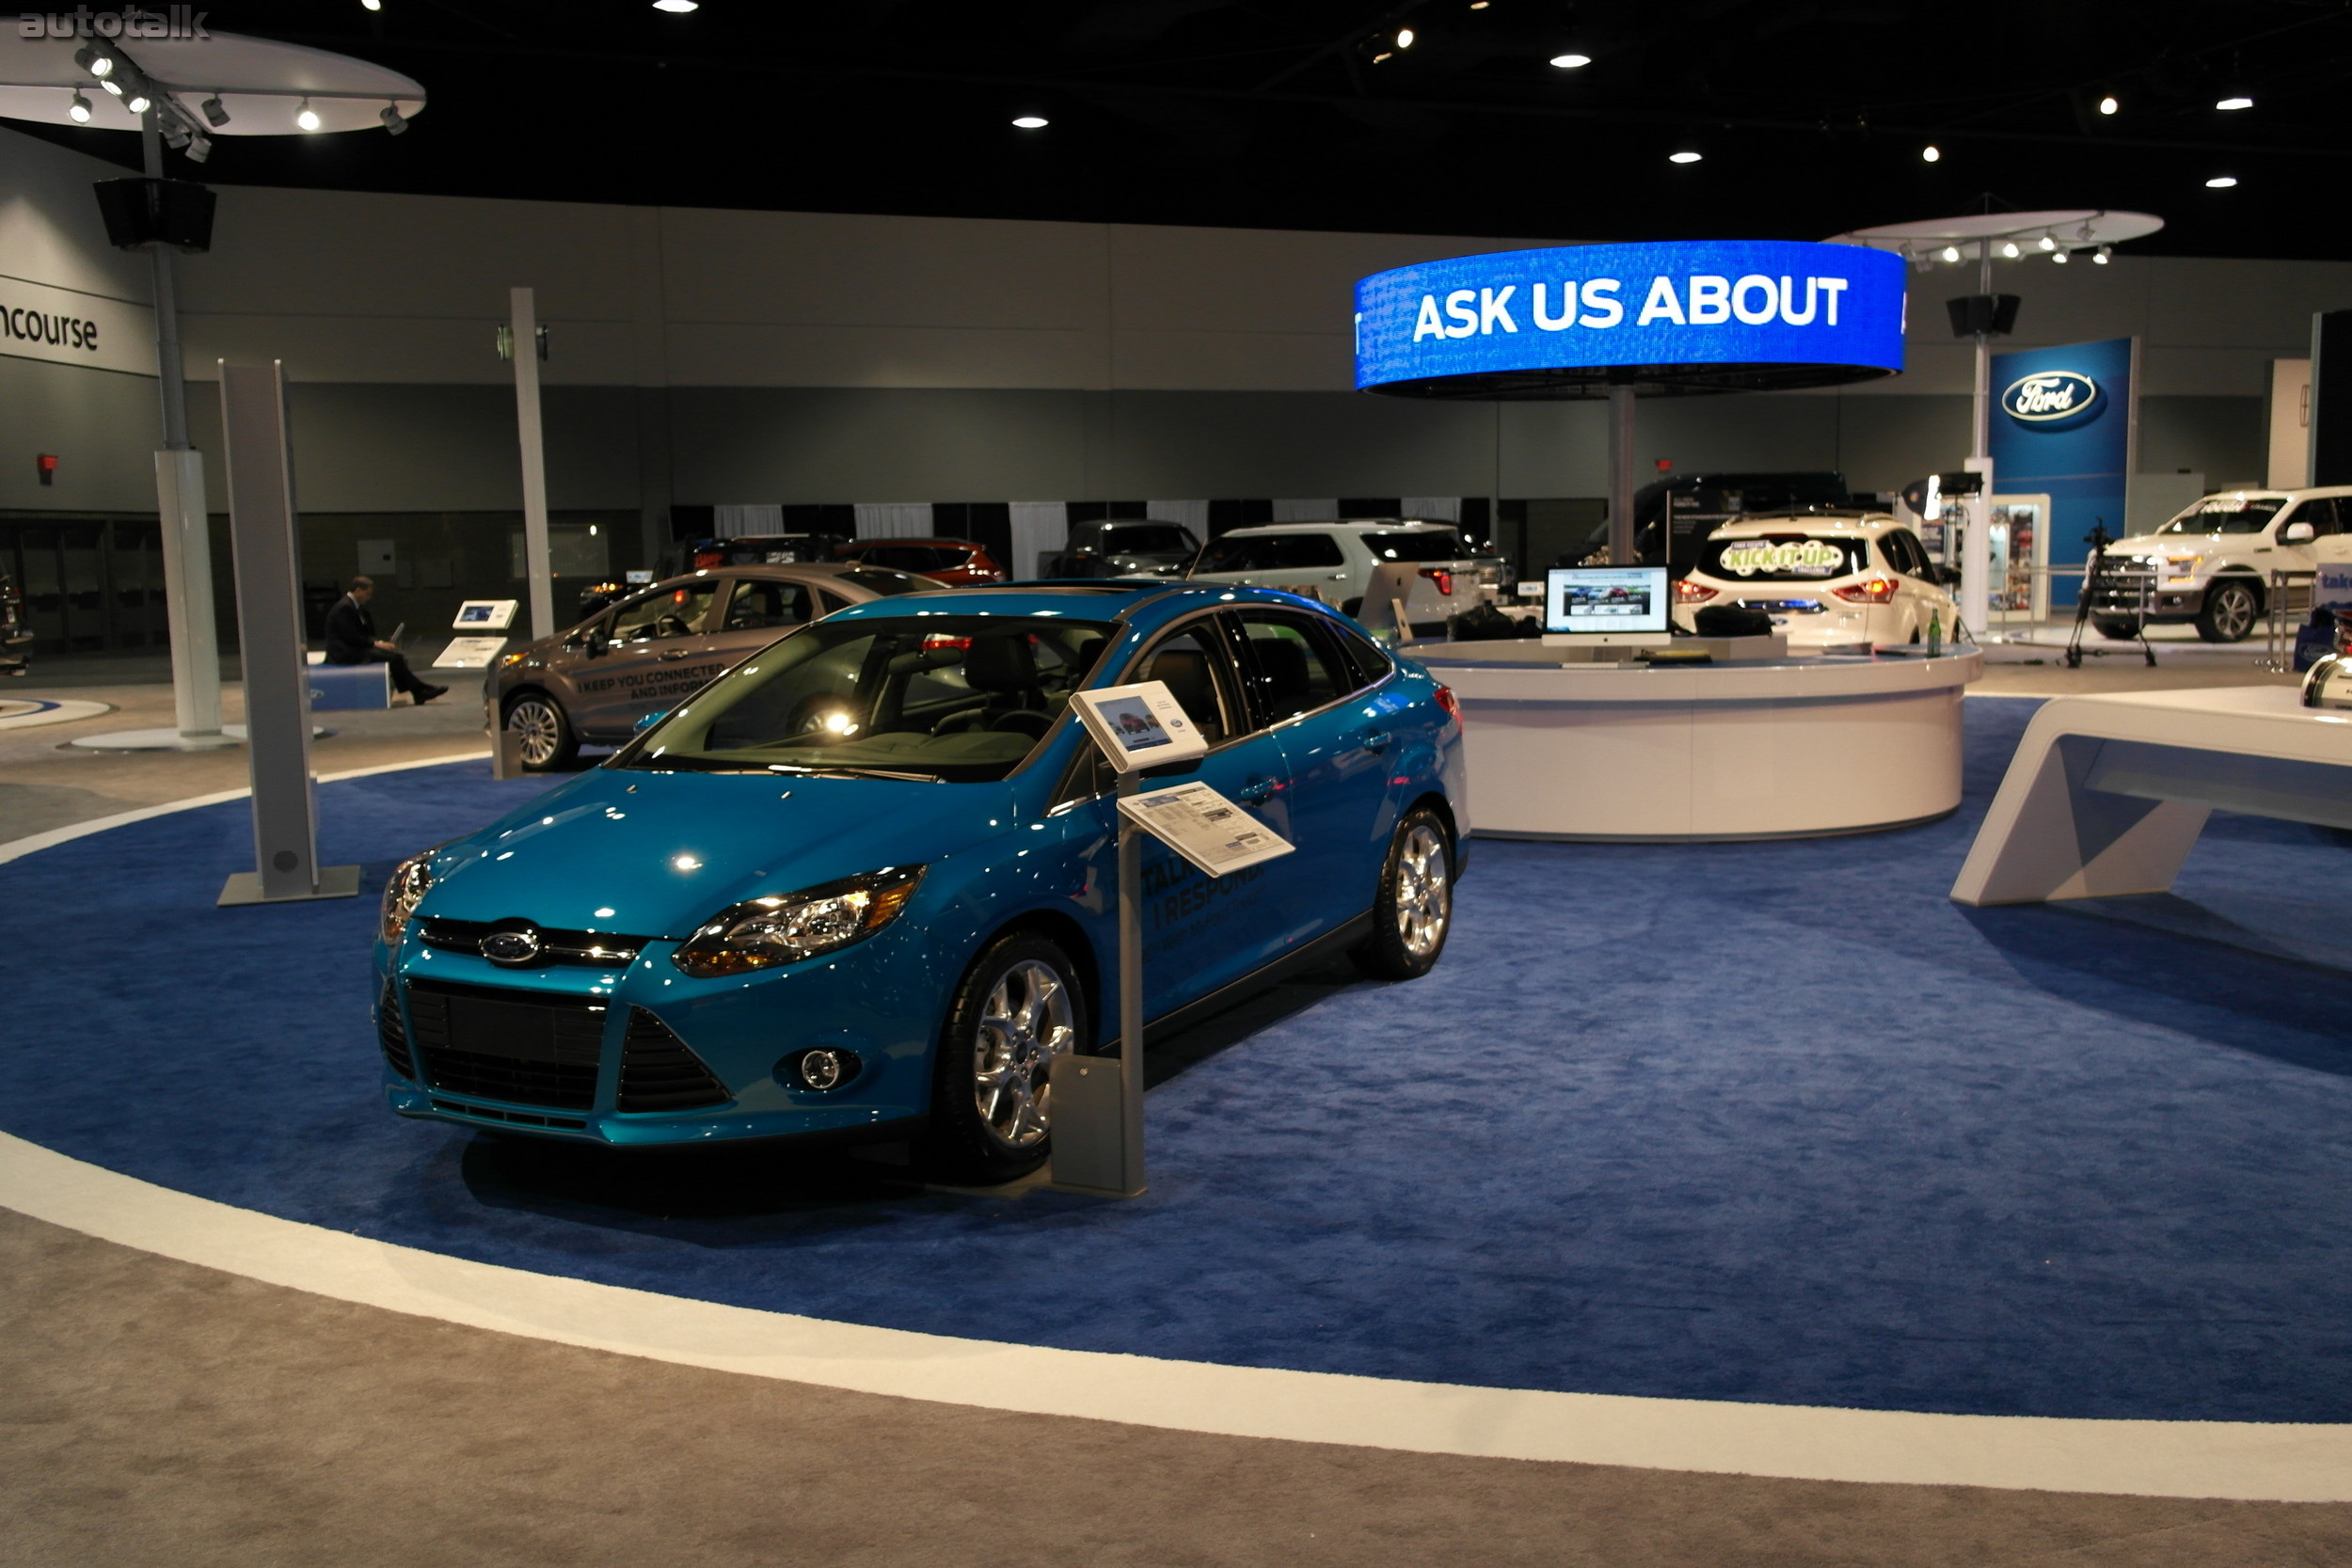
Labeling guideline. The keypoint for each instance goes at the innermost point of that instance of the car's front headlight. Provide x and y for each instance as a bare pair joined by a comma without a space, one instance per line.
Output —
403,890
763,932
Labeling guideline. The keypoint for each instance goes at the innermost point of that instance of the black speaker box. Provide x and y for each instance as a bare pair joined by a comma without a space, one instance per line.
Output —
1975,313
177,213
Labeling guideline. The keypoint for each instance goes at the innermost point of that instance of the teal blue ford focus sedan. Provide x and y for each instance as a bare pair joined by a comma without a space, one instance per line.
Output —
861,886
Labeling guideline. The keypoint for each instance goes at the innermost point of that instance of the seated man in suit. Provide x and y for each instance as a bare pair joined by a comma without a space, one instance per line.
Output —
351,639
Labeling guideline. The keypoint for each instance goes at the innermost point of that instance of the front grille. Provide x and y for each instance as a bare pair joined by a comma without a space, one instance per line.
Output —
390,1034
584,949
508,1045
521,1118
660,1073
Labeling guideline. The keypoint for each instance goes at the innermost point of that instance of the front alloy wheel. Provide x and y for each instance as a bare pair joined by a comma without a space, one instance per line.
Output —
1018,1013
2231,609
547,742
1414,908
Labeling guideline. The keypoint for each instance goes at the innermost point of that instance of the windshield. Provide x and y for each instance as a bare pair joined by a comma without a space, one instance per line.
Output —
1421,543
2227,515
1783,557
1150,538
880,580
963,698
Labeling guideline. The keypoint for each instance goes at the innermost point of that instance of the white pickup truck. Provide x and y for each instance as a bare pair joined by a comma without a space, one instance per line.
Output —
2211,565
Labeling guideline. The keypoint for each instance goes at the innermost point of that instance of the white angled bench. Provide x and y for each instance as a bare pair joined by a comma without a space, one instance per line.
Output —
2106,795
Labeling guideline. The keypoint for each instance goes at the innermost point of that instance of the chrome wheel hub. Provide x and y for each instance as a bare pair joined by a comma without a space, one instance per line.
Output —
537,723
2232,611
1024,1024
1425,896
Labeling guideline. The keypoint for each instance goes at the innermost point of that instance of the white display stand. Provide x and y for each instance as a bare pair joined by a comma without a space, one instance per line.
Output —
1777,748
470,653
2105,795
471,648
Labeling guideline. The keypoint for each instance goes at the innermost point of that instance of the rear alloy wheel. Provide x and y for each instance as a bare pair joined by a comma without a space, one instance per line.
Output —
2231,607
1019,1011
1414,909
548,742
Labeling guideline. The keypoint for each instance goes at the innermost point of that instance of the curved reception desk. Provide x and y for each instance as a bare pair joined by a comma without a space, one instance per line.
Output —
1562,748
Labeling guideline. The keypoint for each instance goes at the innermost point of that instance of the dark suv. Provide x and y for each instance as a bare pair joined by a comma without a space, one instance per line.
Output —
1124,548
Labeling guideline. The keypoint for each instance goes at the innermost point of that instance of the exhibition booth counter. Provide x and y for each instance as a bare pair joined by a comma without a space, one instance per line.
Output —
1562,745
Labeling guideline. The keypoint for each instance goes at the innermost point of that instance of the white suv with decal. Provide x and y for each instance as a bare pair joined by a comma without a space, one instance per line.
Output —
2211,565
1334,562
1827,579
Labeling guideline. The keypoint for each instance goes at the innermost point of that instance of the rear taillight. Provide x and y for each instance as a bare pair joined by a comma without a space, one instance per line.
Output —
1442,577
1686,592
1448,701
1870,591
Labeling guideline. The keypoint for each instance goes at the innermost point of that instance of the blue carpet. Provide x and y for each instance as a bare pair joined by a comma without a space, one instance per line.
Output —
1765,1122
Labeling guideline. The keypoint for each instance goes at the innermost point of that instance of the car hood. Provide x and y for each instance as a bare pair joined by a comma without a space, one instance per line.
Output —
656,854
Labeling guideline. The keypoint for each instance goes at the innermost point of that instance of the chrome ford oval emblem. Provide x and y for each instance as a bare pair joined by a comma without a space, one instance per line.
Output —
2047,396
511,947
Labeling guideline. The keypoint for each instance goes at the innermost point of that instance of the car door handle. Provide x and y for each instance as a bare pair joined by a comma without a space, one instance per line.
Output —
1375,740
677,652
1255,792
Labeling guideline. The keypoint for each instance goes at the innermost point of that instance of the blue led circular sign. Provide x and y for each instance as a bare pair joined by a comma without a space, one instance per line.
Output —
1718,315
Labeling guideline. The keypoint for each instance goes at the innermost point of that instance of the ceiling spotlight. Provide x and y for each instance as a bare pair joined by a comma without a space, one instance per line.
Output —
175,134
96,61
1951,253
1403,37
199,148
1480,5
2108,105
677,8
2009,248
1031,123
215,111
2236,101
136,102
1685,156
2060,257
393,120
2099,256
112,86
79,109
307,117
2049,242
372,5
2223,182
1931,153
1384,54
1571,61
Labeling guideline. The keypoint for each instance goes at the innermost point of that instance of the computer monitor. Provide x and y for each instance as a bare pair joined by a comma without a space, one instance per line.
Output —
1623,605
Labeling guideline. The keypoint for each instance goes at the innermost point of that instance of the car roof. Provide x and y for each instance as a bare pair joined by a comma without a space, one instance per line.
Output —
1385,525
788,571
1078,599
925,539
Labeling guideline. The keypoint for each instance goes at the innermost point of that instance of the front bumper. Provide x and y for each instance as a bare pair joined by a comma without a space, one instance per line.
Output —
650,1056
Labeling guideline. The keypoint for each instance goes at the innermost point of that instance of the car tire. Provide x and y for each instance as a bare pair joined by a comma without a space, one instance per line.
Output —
1413,911
2114,630
550,742
2231,607
1019,1006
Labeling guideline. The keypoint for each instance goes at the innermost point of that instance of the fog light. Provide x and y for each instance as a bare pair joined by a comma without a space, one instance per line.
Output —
821,1070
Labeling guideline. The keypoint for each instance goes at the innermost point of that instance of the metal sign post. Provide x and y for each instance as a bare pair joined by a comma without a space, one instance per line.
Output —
1098,1108
269,631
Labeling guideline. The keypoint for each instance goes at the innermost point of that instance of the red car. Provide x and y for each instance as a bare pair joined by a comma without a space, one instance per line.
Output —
957,562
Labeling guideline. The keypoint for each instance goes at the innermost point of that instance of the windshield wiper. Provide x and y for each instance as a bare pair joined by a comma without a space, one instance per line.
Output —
843,771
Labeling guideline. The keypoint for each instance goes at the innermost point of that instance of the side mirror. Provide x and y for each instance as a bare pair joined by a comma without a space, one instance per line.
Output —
2297,533
1949,577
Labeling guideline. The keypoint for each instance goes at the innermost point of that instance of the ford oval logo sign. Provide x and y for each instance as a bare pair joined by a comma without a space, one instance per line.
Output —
511,947
2046,397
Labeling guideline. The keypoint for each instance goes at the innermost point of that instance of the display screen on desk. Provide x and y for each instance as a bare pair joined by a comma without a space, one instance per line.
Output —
1595,600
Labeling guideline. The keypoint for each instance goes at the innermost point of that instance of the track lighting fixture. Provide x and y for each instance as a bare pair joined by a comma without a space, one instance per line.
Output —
79,109
393,120
307,117
215,111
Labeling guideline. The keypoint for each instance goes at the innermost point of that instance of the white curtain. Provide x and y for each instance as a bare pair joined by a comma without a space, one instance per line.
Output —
1434,509
1306,512
1039,530
894,519
1193,515
733,522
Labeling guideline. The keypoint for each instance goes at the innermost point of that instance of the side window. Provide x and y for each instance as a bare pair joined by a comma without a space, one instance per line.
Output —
1195,667
678,612
1372,666
2320,512
1301,550
831,601
759,605
1289,668
1902,552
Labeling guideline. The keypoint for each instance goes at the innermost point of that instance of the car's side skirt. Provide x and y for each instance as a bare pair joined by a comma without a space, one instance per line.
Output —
1233,993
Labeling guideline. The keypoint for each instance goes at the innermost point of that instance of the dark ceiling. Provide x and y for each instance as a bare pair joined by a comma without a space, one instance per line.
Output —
1810,114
